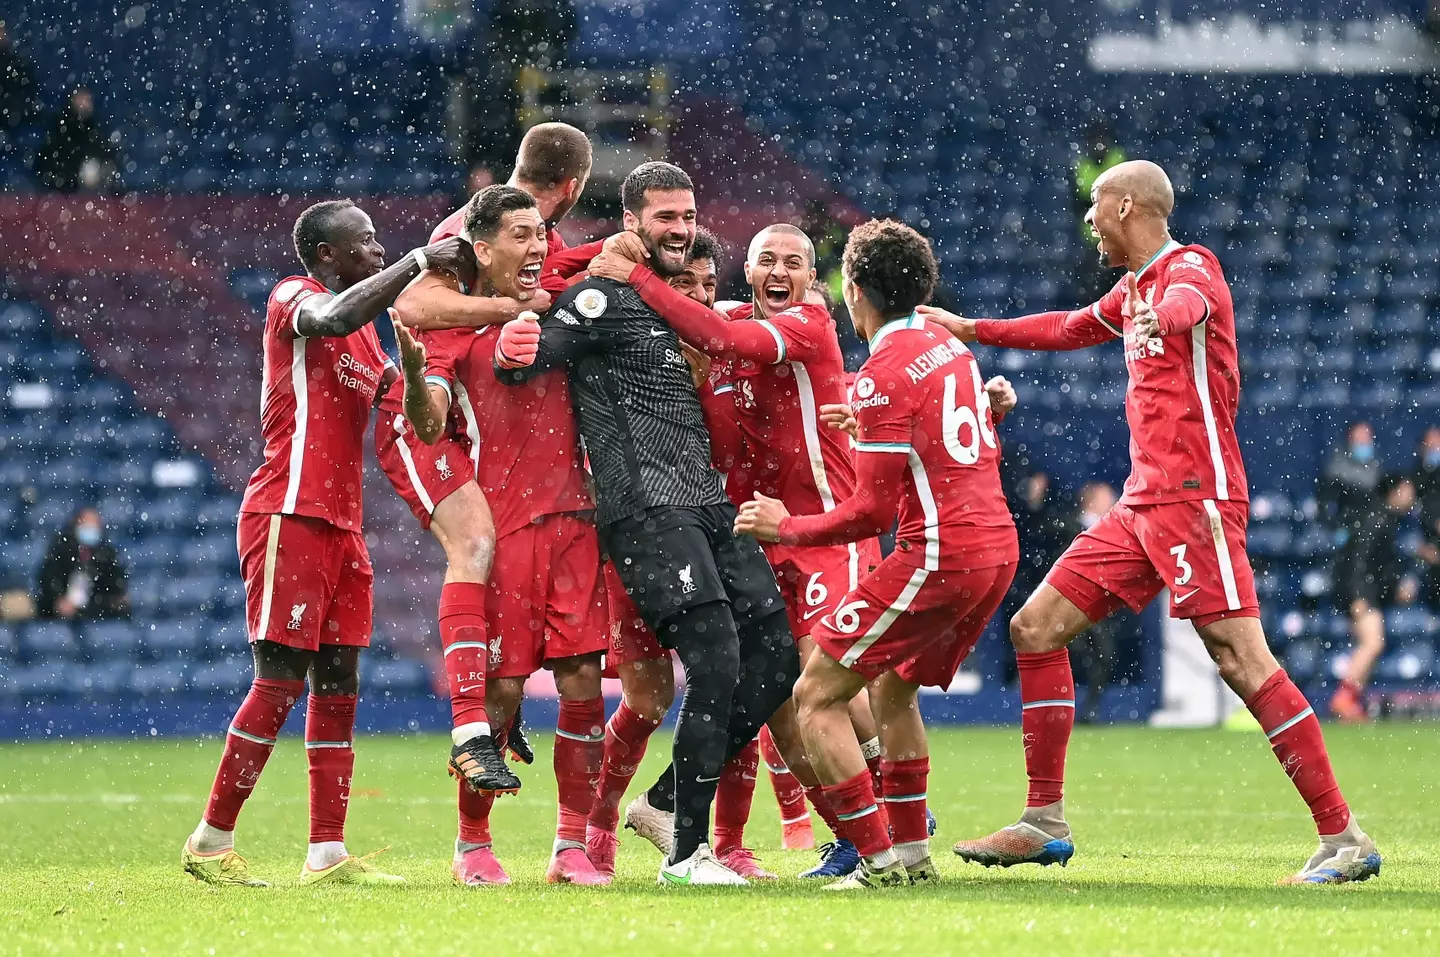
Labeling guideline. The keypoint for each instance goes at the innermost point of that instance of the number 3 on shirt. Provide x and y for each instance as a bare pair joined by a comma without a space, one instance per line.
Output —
966,453
1183,571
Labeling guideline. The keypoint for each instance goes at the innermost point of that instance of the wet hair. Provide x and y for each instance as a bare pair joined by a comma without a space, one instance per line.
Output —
313,228
552,154
647,177
707,246
785,229
488,207
892,264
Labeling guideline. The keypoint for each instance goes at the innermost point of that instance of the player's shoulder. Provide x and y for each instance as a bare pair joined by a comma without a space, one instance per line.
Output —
1193,259
293,289
735,309
451,225
806,313
593,298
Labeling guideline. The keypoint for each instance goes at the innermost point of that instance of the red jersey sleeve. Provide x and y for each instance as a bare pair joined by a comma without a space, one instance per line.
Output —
717,401
800,331
1192,294
285,300
883,408
560,267
443,351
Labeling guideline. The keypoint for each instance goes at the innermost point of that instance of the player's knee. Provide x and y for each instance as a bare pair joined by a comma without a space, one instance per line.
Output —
1028,632
812,695
578,679
334,670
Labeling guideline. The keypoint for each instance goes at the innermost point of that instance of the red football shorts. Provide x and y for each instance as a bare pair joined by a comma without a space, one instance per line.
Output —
813,580
546,598
307,582
423,475
630,638
1196,549
920,624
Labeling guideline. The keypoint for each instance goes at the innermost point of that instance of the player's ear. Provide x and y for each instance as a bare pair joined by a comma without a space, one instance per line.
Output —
747,271
630,221
1126,204
482,253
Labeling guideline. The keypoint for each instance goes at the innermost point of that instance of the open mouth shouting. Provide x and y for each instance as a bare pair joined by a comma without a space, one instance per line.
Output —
777,295
528,278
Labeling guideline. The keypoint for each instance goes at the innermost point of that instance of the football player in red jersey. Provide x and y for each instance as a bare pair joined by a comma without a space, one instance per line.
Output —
1180,523
925,441
303,557
553,165
545,604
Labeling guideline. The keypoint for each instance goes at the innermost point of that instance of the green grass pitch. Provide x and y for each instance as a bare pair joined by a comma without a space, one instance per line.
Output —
1181,837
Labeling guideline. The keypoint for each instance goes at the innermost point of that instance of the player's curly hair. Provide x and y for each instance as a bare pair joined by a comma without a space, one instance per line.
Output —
313,228
487,207
892,264
657,176
707,246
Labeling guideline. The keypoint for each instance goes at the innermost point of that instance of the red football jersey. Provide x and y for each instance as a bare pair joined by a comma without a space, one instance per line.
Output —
315,401
1184,389
921,395
522,440
787,453
452,225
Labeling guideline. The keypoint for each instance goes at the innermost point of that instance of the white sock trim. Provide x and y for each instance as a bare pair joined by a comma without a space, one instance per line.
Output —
211,840
913,852
459,735
870,749
325,854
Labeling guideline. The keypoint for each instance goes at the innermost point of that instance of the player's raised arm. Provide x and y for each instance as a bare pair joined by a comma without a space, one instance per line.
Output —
427,399
342,314
1045,331
435,301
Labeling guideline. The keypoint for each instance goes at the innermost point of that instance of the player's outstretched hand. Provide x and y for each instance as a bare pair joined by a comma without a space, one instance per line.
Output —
519,341
1002,395
610,266
626,245
839,416
960,327
537,301
412,351
699,363
450,255
761,518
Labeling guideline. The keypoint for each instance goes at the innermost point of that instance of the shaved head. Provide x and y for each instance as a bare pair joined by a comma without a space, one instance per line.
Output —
1145,183
758,243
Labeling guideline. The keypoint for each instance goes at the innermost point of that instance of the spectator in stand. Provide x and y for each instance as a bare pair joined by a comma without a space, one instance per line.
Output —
1094,651
76,153
82,576
1427,492
1369,576
1347,483
17,85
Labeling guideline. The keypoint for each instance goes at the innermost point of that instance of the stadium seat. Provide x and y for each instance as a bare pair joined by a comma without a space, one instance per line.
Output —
108,640
227,638
400,675
227,675
189,594
163,678
48,639
111,677
171,639
45,679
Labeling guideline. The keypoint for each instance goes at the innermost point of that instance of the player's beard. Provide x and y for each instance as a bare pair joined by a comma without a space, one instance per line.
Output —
660,260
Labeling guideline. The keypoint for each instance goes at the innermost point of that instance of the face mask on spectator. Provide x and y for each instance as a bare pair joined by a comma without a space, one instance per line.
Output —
88,535
1432,459
1362,451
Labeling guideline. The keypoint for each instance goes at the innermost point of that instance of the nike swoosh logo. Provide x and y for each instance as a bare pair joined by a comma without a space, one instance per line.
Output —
811,614
673,879
470,689
657,332
1189,594
707,780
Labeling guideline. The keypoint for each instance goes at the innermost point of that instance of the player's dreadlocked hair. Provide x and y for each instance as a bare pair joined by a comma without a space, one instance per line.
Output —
707,246
313,228
487,207
892,264
552,154
661,177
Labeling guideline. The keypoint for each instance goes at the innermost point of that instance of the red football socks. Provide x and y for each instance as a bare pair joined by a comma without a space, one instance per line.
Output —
463,638
788,792
1294,732
625,736
247,747
733,797
1047,695
579,753
905,784
329,730
858,814
820,800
